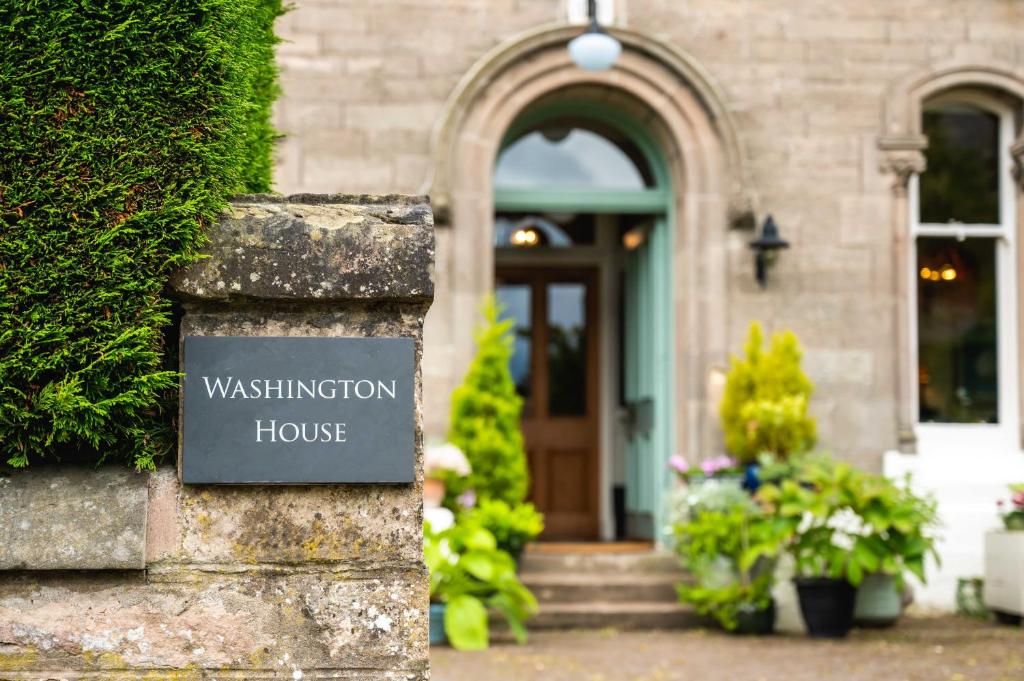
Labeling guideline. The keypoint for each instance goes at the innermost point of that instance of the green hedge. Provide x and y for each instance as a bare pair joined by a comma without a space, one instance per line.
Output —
124,126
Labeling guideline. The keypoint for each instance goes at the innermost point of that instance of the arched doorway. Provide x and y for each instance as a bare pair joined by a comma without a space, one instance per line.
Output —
582,203
672,104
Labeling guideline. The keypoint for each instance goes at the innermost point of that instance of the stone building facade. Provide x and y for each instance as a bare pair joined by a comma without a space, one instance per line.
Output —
810,111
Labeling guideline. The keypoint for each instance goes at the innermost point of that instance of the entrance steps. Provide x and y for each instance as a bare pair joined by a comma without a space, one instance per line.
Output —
596,587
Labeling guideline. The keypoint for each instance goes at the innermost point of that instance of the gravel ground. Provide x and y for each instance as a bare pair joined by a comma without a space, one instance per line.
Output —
918,649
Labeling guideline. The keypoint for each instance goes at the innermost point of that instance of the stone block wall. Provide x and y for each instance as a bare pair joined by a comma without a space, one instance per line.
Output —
805,81
114,575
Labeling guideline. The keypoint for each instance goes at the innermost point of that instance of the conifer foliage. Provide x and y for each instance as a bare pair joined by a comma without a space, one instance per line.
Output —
765,404
124,127
485,416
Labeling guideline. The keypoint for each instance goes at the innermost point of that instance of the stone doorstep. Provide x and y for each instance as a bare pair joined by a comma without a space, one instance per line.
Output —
621,590
553,587
653,561
604,615
636,615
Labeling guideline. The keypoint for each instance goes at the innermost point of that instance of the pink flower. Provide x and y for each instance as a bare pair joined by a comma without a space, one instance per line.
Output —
467,499
1018,499
717,464
677,463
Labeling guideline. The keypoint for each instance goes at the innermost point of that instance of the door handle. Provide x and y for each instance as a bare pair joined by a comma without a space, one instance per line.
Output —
639,417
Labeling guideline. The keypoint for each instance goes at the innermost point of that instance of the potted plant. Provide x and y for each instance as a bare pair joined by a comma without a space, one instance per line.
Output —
1004,561
899,537
820,506
468,576
729,545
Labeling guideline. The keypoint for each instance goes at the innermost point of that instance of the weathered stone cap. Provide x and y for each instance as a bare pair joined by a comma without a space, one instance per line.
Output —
327,247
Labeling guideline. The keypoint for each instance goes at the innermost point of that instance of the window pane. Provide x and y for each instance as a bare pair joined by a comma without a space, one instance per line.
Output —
961,182
567,349
551,230
517,305
570,156
956,329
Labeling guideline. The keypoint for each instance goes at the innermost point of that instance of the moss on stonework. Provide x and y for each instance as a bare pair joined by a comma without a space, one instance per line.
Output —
21,660
28,658
192,674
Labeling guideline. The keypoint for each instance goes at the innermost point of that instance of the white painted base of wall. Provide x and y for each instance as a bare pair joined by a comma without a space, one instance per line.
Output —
1004,571
967,483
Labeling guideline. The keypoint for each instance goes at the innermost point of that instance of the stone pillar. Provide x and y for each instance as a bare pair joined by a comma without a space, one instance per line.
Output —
902,158
239,582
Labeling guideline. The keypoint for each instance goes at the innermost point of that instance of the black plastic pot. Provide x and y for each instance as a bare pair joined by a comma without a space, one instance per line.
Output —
756,621
827,605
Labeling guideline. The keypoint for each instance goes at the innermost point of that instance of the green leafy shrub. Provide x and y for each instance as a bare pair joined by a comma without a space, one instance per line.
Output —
513,527
470,574
729,544
764,406
125,127
847,523
485,417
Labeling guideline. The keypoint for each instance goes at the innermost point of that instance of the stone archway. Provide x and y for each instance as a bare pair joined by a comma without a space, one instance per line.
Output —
662,88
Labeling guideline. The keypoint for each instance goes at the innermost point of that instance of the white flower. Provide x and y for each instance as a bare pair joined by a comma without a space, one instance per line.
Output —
445,457
440,519
845,520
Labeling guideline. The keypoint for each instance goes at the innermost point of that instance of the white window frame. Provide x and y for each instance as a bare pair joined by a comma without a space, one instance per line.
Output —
1001,437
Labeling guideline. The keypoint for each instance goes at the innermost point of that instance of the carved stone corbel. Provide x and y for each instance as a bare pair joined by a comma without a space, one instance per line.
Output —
902,157
1017,154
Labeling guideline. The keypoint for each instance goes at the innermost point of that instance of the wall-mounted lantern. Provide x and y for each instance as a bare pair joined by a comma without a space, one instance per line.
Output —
594,50
765,247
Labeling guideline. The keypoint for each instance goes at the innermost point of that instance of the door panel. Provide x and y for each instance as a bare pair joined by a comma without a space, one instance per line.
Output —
640,286
555,366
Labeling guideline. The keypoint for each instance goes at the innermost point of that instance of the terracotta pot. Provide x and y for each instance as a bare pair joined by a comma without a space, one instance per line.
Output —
433,493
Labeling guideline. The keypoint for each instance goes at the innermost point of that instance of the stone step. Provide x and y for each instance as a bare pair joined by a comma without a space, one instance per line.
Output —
555,587
533,562
617,615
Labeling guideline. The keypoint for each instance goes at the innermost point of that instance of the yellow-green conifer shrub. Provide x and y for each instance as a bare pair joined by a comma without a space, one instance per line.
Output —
485,416
765,404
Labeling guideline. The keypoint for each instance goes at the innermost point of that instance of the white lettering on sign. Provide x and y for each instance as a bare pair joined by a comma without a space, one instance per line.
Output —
289,431
231,388
272,430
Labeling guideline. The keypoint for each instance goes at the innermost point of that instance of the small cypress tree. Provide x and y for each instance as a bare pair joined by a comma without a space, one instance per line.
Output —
764,406
485,416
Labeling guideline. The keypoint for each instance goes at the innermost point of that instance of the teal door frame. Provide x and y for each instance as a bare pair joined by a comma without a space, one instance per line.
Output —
654,370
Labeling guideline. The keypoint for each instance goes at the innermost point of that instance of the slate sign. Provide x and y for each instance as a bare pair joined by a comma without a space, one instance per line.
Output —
261,409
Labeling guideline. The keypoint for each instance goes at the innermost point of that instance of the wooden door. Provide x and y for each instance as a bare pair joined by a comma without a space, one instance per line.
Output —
555,366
